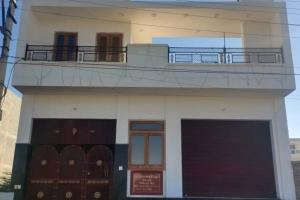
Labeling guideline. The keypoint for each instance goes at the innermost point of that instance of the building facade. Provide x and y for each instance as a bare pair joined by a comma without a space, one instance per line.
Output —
109,114
8,134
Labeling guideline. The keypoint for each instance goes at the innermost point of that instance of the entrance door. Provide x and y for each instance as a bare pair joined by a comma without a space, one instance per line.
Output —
71,159
109,47
65,46
72,174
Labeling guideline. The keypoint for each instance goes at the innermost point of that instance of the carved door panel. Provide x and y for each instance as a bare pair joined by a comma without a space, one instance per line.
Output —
99,172
75,132
43,173
71,179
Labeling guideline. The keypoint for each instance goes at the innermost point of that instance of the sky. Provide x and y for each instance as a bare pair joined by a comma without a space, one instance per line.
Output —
292,101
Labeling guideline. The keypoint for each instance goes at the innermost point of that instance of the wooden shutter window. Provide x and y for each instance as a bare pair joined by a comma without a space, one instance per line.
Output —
65,46
109,46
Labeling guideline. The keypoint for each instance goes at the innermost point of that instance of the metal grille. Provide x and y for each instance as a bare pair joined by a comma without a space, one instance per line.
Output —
225,55
75,53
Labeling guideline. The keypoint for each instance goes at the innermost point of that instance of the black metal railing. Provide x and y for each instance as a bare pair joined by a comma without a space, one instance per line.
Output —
75,53
176,54
225,55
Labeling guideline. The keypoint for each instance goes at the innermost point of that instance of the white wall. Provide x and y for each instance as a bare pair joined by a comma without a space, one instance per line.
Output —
139,25
257,35
171,109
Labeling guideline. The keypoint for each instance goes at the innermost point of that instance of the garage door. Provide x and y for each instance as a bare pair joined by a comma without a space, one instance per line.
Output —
227,159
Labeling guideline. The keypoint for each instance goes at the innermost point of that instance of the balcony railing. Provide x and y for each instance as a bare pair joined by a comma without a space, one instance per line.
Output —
225,55
176,54
75,53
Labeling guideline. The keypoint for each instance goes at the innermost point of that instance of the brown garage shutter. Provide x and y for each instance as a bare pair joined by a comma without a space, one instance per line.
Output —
227,159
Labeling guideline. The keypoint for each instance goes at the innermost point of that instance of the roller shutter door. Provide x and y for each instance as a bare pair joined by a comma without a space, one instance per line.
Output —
227,159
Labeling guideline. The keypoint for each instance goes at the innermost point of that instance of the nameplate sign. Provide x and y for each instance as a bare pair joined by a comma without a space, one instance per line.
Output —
146,183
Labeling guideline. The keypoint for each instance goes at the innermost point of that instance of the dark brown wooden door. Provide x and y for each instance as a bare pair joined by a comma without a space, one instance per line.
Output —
227,159
99,172
43,173
72,173
109,47
65,46
70,159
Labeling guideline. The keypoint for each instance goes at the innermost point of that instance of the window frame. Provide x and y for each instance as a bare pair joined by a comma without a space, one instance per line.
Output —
108,53
65,46
147,133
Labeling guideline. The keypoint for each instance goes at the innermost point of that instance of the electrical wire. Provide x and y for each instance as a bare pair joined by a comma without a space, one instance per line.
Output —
183,14
146,78
206,71
213,5
237,33
157,26
2,98
101,72
147,68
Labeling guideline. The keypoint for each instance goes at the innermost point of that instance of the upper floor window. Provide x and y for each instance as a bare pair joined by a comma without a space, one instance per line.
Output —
109,47
65,46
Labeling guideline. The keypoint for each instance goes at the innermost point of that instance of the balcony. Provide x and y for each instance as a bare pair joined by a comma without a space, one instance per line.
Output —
144,67
188,55
256,57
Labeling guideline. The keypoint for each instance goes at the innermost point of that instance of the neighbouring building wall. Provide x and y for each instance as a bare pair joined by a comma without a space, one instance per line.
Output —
296,167
8,131
171,109
295,158
295,149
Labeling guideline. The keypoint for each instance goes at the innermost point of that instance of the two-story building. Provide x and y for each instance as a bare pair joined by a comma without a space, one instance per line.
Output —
107,113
